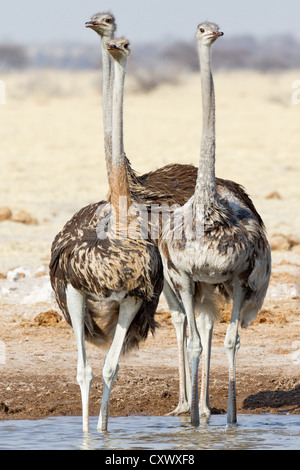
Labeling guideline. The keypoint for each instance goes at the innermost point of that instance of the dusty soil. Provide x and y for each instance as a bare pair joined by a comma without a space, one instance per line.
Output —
38,376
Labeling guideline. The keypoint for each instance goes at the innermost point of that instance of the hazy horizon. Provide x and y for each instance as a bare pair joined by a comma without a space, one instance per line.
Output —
62,21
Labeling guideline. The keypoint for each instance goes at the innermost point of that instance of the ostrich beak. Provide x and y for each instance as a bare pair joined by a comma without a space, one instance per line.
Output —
112,47
215,34
91,24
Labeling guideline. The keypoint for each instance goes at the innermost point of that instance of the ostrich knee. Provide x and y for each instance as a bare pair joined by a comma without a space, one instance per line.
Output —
84,375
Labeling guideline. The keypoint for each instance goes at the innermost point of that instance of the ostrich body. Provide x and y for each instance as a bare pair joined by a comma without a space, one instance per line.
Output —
169,185
94,261
230,249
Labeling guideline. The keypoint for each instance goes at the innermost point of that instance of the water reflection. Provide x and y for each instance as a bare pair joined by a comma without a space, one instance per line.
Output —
159,433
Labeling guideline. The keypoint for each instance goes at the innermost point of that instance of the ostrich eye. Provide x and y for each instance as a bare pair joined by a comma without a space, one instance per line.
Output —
108,20
201,30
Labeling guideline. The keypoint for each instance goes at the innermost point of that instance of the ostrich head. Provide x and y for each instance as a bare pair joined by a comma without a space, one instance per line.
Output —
119,48
103,23
207,33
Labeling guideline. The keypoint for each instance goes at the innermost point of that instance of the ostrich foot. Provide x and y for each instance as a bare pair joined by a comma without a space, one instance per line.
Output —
182,408
205,416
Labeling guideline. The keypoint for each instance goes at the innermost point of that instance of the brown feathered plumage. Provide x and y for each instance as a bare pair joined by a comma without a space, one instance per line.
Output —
100,267
171,184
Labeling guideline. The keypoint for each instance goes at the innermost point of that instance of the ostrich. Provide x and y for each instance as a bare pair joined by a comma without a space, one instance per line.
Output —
90,265
224,245
172,184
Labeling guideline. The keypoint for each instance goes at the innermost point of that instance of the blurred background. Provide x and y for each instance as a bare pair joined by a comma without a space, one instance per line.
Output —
261,34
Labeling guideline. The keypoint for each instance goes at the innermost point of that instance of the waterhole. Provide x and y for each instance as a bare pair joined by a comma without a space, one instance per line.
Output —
253,432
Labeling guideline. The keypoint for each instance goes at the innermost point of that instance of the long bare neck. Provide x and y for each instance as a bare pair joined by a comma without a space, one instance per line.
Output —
205,192
107,87
118,181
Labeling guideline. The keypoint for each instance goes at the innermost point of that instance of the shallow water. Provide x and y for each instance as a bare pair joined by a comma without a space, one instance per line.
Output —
253,432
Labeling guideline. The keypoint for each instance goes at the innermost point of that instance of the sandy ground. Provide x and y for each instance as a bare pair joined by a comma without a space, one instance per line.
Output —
52,164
